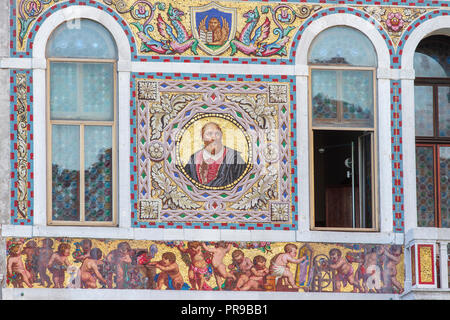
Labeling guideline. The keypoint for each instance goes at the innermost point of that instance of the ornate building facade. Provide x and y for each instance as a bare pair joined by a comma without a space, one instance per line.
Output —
199,149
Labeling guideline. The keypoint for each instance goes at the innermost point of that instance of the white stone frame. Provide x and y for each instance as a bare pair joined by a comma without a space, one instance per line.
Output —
383,153
39,65
425,29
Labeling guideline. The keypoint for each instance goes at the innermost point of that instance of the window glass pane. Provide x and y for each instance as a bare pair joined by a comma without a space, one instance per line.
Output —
98,91
444,173
81,91
342,98
81,38
426,66
425,187
63,90
432,57
444,111
423,97
357,97
98,173
65,172
324,94
342,45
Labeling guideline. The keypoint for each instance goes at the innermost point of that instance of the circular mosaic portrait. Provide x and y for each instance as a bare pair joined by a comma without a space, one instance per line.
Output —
213,151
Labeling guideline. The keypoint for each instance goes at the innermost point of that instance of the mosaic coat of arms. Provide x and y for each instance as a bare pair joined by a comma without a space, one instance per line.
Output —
214,152
214,26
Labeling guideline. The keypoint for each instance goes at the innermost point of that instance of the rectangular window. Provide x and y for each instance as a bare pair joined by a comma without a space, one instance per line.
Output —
81,142
432,123
343,144
342,98
432,182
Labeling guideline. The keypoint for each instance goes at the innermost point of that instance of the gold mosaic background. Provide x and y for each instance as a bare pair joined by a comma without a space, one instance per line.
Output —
426,274
287,16
320,276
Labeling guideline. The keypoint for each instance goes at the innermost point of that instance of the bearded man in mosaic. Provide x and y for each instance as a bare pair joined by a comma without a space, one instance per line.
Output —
215,165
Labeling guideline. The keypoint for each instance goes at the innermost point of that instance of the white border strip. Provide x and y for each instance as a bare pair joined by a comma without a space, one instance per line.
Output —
159,234
143,294
204,68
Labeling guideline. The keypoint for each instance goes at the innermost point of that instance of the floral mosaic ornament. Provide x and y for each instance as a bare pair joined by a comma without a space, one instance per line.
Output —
251,170
243,266
395,20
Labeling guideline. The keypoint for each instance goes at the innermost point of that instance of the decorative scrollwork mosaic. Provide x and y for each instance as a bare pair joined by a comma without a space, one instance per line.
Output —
22,146
233,177
206,28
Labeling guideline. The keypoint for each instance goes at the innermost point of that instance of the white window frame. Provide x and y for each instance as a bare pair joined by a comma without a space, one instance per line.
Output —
437,25
343,128
40,91
81,125
383,149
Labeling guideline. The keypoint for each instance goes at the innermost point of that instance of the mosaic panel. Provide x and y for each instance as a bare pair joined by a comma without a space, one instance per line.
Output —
21,136
397,157
180,265
245,177
395,21
248,31
426,270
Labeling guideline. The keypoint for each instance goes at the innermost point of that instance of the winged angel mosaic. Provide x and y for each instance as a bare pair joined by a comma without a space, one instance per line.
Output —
213,151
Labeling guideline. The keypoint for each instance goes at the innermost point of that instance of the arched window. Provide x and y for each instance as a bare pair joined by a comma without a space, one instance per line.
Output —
342,46
343,122
81,118
432,125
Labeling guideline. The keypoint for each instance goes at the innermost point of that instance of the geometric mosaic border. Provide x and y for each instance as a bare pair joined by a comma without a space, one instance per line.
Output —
212,225
397,157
